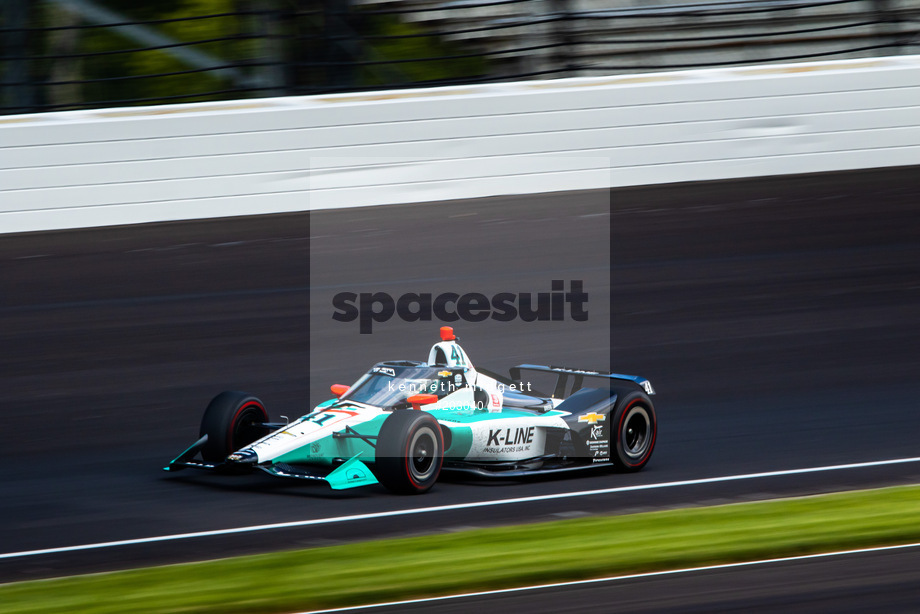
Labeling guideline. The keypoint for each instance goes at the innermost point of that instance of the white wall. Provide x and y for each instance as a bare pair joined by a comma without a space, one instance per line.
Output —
119,166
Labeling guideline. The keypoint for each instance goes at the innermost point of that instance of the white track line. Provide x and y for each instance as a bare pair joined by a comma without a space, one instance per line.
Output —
651,574
456,506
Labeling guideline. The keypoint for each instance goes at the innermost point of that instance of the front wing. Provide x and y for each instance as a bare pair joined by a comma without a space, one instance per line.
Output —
350,474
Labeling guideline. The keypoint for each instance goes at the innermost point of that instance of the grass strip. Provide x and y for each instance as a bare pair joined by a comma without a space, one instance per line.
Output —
480,559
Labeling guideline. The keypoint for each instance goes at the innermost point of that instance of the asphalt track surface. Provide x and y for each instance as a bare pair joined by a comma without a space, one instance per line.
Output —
777,317
853,583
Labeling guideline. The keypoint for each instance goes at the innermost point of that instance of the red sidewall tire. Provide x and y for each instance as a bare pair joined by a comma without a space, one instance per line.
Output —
410,452
230,422
636,432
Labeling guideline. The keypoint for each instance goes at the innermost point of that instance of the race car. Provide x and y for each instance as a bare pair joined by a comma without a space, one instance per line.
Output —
404,422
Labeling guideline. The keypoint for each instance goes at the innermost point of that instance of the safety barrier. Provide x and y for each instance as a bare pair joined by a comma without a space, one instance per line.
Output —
134,165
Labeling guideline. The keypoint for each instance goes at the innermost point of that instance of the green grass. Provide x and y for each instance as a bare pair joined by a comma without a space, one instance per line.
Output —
488,558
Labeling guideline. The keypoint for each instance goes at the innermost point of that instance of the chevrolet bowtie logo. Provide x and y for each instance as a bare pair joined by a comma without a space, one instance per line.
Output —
592,418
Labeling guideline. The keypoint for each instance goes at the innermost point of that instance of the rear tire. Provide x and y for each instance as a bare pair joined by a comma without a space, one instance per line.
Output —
232,421
410,452
635,428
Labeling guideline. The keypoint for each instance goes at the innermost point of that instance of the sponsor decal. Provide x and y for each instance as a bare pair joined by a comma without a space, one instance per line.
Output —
599,450
355,473
384,371
578,371
592,418
507,440
320,418
458,379
315,447
597,431
444,373
521,434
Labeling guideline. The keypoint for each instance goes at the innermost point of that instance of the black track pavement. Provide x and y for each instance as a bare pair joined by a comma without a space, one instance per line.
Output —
863,583
777,317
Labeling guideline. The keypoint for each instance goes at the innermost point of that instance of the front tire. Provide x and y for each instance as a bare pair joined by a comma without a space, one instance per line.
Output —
636,428
232,421
410,452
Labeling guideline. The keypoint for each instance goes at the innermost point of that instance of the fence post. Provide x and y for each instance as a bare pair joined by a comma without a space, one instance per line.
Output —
63,87
336,32
889,28
564,56
17,92
266,25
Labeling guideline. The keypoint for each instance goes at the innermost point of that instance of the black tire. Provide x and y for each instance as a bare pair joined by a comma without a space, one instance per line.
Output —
634,430
410,452
231,421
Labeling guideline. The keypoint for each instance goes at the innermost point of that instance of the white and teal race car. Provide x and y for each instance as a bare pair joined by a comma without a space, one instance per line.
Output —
404,422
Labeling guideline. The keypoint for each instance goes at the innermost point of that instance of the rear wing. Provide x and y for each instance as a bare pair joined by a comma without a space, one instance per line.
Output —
578,377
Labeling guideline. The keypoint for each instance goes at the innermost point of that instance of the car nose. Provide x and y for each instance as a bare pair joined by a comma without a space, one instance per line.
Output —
243,457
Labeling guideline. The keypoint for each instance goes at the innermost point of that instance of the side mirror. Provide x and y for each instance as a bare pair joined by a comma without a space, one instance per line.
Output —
338,390
418,400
